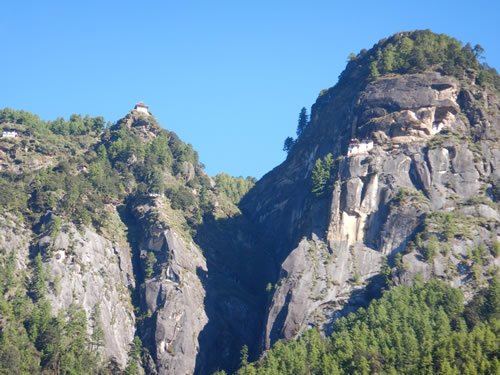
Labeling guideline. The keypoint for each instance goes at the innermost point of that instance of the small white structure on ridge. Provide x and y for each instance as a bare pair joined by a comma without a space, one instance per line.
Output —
9,134
359,147
141,107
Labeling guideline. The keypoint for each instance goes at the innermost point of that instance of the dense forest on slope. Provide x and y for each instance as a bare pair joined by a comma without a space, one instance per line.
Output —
417,52
106,164
422,329
234,187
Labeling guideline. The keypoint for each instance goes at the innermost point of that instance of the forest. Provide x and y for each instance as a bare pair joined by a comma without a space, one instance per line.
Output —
422,329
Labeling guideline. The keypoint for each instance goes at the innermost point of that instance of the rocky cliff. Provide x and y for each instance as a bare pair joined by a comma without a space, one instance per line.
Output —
171,294
420,201
396,174
94,273
113,228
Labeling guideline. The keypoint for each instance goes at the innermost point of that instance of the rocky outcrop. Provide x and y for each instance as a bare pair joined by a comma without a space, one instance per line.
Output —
403,108
171,295
89,271
432,140
15,240
146,126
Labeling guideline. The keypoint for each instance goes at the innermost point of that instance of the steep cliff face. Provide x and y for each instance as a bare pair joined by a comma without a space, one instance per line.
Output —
83,269
171,295
95,274
432,169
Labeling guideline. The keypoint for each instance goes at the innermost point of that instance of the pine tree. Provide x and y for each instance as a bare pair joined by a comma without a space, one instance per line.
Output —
289,143
303,122
40,276
97,337
134,355
493,298
319,178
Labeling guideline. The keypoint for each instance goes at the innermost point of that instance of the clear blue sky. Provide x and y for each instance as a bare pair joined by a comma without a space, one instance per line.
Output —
229,77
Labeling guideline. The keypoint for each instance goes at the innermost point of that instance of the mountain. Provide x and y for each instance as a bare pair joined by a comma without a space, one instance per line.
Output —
394,170
99,222
120,254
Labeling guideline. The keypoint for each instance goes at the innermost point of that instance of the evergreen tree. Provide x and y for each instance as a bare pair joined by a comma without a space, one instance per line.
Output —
319,178
303,122
288,144
410,330
39,278
97,336
134,356
493,298
321,174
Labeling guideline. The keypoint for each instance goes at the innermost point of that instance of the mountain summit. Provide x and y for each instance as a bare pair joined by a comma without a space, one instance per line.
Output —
335,218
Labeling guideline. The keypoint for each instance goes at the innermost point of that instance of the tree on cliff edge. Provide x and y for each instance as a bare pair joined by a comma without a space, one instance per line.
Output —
303,121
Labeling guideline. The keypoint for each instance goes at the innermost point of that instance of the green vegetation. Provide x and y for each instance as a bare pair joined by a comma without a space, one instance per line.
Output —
423,329
431,248
301,126
234,188
31,124
39,284
303,122
288,144
34,340
449,224
405,195
417,52
131,158
323,174
79,172
150,262
134,357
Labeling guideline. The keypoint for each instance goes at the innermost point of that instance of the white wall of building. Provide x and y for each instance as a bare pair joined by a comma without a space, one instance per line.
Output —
142,110
359,147
9,134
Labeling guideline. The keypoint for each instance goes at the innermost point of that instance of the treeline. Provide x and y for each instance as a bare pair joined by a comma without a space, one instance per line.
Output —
118,164
234,187
422,329
417,52
76,125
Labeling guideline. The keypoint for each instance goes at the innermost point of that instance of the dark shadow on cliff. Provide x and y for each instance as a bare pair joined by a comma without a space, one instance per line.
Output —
361,298
238,269
145,326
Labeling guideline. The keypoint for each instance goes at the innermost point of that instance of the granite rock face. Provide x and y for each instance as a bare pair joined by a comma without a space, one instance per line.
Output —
15,240
414,106
95,274
171,293
434,154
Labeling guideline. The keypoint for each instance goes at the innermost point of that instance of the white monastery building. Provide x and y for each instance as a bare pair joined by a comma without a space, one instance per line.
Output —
359,147
141,107
9,134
